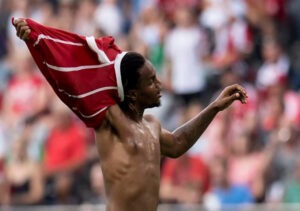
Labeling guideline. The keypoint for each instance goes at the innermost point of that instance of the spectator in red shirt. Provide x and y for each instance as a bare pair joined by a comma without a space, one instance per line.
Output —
184,180
65,148
64,155
25,94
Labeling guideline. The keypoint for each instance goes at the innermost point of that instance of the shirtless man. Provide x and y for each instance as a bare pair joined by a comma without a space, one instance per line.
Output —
131,144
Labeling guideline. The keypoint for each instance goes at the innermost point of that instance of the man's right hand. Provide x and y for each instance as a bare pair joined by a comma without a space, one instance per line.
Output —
22,28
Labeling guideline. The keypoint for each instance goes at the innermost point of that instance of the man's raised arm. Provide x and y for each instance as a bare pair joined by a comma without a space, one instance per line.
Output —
179,141
118,120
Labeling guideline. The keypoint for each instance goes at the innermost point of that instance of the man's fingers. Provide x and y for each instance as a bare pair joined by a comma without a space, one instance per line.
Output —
241,97
17,20
19,26
243,92
237,88
231,94
243,100
24,32
20,29
231,98
237,96
228,100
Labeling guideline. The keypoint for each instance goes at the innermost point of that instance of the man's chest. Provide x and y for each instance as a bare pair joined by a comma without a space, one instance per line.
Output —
146,142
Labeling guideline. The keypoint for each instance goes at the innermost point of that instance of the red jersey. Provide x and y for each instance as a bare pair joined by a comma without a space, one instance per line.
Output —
84,72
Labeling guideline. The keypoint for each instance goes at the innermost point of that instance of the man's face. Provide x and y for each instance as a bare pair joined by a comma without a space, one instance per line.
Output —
149,88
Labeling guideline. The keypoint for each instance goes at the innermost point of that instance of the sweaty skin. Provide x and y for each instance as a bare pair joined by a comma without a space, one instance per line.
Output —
129,150
131,145
130,164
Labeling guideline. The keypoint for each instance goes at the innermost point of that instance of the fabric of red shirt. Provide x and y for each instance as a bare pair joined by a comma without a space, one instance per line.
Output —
81,70
65,146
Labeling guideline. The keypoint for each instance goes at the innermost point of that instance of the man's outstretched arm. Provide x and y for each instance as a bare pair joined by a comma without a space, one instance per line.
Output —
179,141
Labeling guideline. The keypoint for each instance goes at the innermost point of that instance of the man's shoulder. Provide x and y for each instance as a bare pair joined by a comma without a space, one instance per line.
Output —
151,119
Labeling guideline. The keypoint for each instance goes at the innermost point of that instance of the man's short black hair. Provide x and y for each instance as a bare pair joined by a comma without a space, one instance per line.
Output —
130,65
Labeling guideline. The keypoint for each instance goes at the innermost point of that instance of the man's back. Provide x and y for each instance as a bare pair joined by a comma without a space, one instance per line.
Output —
130,164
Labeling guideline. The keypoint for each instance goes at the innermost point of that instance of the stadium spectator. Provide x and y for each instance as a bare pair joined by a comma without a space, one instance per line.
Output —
64,154
184,180
24,175
65,147
292,188
223,192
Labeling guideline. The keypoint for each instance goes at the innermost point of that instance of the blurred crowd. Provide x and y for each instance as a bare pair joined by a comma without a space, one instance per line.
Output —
249,154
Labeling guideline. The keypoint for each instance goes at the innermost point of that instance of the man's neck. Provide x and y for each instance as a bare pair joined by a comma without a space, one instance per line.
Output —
135,113
136,116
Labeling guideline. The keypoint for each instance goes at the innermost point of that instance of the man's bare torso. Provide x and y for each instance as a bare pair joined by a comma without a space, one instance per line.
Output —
131,165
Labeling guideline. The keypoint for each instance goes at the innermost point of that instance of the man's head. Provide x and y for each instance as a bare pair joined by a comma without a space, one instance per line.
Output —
141,87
